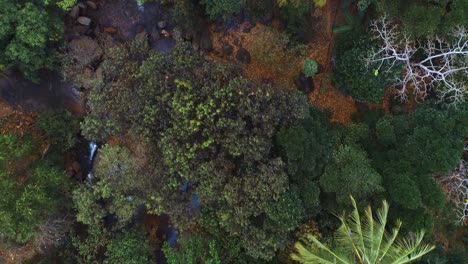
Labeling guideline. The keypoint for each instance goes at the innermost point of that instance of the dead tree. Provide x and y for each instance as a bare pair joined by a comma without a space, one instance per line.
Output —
443,66
456,187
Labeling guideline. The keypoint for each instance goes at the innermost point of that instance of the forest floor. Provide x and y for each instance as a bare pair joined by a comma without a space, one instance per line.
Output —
326,95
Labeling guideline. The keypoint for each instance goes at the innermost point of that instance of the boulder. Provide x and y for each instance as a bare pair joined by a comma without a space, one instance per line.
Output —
155,36
91,4
74,12
305,84
162,24
85,50
111,30
80,29
206,43
227,50
81,5
85,21
243,56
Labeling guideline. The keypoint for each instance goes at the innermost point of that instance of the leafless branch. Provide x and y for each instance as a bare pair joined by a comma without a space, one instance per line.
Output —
456,187
443,65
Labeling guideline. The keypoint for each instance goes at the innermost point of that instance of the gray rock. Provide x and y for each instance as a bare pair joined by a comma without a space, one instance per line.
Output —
162,24
227,50
243,56
74,12
305,84
81,5
85,21
91,4
85,50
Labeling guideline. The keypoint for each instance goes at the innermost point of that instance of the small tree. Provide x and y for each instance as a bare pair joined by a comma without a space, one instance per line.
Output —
363,239
310,67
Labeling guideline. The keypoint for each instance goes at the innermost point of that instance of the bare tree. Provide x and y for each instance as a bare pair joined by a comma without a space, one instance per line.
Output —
438,63
456,187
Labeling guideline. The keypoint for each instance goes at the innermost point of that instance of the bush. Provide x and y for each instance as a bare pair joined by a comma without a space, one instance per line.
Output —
29,29
310,67
130,247
421,20
350,173
223,8
287,212
353,77
33,190
60,127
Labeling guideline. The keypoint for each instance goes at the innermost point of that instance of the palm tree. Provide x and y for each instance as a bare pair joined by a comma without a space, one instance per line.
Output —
363,241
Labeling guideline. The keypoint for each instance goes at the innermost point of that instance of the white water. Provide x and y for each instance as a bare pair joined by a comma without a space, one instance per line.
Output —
141,7
92,151
92,147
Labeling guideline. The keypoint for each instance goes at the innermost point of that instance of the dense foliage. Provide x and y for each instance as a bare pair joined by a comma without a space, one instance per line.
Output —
208,154
32,181
29,32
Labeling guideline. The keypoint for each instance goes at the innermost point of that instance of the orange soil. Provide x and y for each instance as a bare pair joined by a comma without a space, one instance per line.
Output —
325,96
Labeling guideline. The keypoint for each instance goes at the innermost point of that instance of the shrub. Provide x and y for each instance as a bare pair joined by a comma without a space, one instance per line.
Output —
27,32
130,247
60,127
310,67
223,8
353,77
421,20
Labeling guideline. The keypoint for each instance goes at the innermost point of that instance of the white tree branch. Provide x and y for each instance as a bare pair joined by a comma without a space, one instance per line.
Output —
442,66
456,187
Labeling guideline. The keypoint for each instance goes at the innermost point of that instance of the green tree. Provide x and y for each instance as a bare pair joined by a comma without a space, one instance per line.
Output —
287,212
196,249
310,67
353,76
204,126
29,30
422,20
32,192
363,239
130,247
351,173
60,127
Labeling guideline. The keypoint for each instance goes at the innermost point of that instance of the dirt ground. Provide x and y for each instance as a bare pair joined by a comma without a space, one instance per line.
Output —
325,94
320,48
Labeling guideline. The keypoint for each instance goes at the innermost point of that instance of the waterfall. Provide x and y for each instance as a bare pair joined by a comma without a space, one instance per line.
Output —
141,6
92,151
92,147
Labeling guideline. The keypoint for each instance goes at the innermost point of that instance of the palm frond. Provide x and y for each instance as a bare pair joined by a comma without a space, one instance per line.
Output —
314,253
363,239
